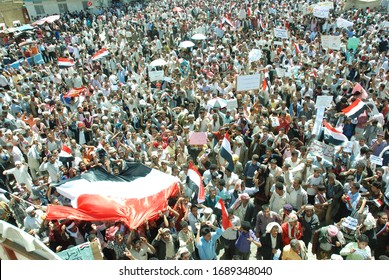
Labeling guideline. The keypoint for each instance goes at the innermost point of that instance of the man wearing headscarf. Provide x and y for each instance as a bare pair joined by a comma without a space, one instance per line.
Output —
291,229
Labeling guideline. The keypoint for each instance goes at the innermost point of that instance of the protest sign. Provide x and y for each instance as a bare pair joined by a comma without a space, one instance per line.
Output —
322,150
80,252
278,43
353,43
274,121
330,42
247,82
318,122
281,33
376,160
156,75
323,101
232,104
328,4
342,23
321,12
348,147
198,138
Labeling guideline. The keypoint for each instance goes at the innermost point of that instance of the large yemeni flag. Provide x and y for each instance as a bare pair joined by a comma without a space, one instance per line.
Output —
226,152
65,62
334,136
355,109
195,183
136,194
100,54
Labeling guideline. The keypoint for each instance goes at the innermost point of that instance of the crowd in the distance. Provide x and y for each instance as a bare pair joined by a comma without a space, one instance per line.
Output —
279,197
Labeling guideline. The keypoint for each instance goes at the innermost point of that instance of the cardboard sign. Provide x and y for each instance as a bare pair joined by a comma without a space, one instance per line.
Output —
321,12
198,138
330,42
156,75
323,101
281,33
248,82
342,23
322,150
376,160
318,121
80,252
232,104
348,147
353,43
274,122
328,4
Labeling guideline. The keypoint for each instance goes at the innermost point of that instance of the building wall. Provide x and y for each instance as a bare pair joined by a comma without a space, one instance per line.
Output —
41,8
10,11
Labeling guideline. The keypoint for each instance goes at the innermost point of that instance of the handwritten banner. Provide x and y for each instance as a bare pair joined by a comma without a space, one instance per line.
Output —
321,12
376,160
156,75
322,150
323,101
80,252
248,82
281,33
198,138
330,42
232,104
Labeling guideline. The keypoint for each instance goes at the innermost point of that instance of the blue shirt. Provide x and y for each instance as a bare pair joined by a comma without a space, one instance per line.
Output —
354,199
242,243
207,249
250,169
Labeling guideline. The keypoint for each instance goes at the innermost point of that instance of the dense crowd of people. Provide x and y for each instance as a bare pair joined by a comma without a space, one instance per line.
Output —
279,197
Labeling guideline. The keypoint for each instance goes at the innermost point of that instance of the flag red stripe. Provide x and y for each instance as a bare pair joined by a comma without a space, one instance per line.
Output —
226,223
133,211
66,149
352,106
330,127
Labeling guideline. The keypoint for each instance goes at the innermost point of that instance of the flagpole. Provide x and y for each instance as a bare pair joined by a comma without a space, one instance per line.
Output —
19,198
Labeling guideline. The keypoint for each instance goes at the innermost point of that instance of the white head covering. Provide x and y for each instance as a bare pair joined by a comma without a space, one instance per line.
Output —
271,225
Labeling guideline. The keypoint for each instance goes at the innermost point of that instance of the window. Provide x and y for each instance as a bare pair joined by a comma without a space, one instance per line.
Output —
37,1
39,9
63,8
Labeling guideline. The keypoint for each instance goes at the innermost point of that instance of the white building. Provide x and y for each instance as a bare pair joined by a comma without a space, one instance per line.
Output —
42,8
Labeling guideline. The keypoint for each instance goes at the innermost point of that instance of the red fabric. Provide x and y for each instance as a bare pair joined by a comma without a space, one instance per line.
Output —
285,235
226,223
133,212
76,92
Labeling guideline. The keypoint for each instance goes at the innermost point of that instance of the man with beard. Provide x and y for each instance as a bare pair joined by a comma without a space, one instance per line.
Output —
166,244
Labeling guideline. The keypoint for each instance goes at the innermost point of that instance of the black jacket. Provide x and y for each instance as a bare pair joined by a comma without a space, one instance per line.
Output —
266,249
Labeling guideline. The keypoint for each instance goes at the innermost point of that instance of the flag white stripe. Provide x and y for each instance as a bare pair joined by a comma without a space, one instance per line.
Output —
194,177
139,188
